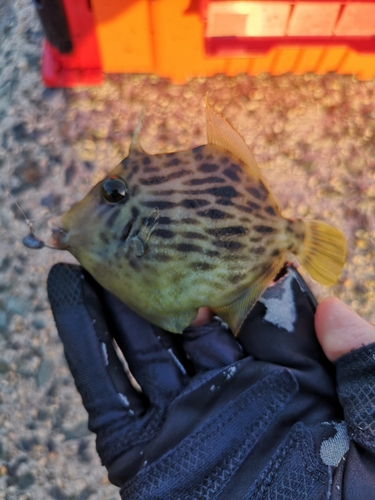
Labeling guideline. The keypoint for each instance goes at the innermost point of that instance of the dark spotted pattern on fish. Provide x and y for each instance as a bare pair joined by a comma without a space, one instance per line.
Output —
264,229
103,236
236,278
228,244
150,170
163,193
258,250
160,205
188,220
222,192
164,233
215,214
227,231
112,218
208,167
162,179
232,173
206,180
201,266
134,190
163,257
270,210
194,203
191,235
188,247
133,171
224,201
175,162
213,191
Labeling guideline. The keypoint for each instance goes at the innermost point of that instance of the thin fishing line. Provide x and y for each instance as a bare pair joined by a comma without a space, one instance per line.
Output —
31,240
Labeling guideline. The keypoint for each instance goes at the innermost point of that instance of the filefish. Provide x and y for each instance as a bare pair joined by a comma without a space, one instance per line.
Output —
170,233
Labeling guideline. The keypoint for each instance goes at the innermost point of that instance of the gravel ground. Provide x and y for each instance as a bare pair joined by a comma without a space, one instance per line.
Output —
313,136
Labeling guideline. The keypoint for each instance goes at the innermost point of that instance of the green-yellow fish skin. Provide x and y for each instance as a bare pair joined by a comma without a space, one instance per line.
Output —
191,229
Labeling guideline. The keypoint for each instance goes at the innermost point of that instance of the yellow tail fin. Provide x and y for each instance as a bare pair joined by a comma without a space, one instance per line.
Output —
323,252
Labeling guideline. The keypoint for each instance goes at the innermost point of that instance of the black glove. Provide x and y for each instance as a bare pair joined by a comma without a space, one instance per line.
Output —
218,417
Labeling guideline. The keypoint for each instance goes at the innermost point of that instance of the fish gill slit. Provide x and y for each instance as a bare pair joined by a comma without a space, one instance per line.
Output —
126,230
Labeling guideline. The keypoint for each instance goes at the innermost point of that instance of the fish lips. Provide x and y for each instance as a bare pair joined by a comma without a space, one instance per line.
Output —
60,237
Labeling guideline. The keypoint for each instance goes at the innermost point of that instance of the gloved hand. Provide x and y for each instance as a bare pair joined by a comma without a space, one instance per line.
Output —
217,417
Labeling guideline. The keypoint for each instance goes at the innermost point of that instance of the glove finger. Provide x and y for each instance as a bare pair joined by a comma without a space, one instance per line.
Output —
157,368
280,327
99,376
211,346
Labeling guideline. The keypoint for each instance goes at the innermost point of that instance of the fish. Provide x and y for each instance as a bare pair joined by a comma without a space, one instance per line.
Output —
173,232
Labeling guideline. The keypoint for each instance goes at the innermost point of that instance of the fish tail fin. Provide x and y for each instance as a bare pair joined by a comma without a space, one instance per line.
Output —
322,252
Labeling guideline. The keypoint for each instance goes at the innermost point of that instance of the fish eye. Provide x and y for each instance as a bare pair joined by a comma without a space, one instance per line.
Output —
114,189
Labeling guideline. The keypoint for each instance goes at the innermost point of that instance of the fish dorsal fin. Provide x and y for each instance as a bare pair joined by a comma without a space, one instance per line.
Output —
135,144
222,134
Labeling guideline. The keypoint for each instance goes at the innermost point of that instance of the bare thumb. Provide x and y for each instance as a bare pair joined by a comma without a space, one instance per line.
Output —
339,329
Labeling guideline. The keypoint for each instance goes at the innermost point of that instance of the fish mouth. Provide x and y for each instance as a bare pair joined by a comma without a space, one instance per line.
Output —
60,237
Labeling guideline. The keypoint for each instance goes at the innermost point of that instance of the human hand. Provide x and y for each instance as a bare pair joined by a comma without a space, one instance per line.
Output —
339,329
218,417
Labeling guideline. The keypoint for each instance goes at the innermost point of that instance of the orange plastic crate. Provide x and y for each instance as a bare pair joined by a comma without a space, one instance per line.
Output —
181,39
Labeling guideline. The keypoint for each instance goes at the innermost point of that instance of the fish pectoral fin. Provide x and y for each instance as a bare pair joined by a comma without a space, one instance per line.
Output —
235,313
149,225
139,243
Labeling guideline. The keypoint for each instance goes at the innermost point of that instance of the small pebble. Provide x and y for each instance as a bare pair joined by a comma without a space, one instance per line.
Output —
17,305
77,431
44,373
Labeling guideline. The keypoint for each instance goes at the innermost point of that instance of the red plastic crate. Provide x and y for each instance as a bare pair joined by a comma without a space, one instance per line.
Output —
82,66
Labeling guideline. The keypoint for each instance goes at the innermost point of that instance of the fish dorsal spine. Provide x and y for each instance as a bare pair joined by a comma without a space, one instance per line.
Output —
135,145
